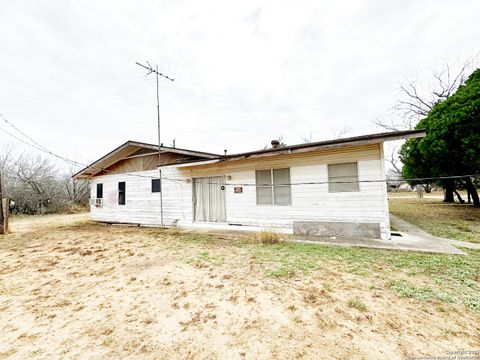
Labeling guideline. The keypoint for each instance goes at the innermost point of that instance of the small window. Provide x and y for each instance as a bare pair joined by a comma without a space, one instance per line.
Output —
273,187
343,177
99,191
156,187
121,193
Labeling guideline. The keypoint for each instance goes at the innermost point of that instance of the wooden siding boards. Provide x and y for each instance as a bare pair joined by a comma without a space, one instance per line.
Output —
133,149
309,201
137,163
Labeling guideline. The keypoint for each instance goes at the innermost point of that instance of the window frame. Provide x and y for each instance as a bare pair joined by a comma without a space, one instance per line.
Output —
272,187
122,192
356,183
99,186
153,189
264,186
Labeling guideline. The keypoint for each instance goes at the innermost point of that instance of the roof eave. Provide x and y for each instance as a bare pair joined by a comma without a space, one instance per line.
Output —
85,174
353,141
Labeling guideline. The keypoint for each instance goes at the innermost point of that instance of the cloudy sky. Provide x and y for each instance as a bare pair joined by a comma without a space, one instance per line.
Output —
245,71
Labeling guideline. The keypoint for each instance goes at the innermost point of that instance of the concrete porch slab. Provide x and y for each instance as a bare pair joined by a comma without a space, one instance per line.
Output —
206,227
411,239
405,242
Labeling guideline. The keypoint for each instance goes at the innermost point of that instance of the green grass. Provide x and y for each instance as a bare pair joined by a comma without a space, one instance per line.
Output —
451,278
454,221
282,272
412,291
357,303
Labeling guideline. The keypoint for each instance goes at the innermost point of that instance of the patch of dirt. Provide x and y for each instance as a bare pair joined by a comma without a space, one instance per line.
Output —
144,297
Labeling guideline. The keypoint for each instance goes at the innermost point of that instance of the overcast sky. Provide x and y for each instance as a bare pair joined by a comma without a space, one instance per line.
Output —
245,71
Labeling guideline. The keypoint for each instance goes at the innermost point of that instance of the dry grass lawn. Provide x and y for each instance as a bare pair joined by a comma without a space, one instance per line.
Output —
72,289
454,221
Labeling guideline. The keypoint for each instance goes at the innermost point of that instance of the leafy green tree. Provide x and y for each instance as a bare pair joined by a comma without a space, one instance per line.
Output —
452,144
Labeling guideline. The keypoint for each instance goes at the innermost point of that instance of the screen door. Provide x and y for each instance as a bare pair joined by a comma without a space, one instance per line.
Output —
209,199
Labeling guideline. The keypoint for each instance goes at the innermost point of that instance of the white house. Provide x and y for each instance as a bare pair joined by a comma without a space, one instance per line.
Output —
331,188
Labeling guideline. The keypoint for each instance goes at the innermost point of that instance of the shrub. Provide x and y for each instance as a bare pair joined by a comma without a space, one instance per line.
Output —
357,304
269,237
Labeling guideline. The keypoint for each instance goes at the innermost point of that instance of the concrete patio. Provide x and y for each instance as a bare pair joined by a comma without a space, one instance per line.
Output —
407,238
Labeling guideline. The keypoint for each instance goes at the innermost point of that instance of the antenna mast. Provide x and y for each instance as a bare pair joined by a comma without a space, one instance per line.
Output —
157,74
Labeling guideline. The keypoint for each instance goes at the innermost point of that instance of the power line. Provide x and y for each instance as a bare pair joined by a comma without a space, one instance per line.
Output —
35,144
333,182
21,132
44,150
419,179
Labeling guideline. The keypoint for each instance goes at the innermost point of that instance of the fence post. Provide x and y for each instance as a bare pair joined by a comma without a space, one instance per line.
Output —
2,219
7,213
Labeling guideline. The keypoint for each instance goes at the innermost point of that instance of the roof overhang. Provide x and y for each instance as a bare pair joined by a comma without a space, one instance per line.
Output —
195,163
202,158
126,150
310,147
336,143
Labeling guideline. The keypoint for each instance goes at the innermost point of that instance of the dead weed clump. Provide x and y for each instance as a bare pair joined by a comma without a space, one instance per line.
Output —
268,238
325,321
357,303
314,296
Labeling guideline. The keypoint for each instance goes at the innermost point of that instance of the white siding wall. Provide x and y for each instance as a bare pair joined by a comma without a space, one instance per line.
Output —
142,206
309,202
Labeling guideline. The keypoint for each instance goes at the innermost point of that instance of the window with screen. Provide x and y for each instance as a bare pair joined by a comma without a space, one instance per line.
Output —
156,187
281,187
273,187
99,191
343,177
121,193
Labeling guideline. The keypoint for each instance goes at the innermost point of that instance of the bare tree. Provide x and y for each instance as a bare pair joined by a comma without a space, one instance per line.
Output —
416,105
309,139
6,155
394,161
342,132
6,161
394,173
76,191
36,188
35,184
417,101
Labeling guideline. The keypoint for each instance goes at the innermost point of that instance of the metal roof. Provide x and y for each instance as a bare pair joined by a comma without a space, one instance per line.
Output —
122,151
350,141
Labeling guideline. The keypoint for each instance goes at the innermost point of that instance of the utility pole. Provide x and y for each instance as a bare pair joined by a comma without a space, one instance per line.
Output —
2,219
7,213
157,74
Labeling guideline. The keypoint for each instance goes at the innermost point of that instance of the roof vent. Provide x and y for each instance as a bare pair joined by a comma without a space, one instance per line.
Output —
275,144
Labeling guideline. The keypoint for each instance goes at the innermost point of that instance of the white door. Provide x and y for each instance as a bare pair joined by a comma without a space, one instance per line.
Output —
209,199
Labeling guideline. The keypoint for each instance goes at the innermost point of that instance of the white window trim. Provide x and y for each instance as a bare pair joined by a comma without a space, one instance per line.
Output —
272,187
348,191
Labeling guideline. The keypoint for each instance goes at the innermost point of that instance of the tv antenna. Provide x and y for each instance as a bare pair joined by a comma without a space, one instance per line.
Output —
155,71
